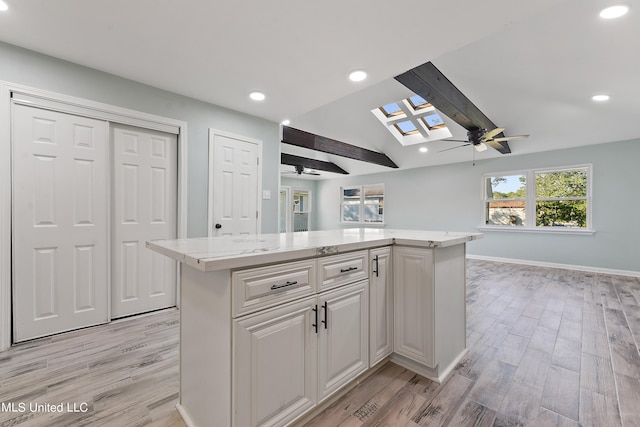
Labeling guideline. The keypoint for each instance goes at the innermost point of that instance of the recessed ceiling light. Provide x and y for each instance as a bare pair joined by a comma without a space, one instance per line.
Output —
600,98
614,11
423,149
257,96
3,6
357,76
285,122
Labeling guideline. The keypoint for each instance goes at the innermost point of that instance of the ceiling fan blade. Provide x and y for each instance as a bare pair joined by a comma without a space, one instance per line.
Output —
490,134
455,140
509,138
453,148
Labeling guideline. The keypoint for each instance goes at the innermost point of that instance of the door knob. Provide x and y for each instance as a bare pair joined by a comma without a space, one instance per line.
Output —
218,225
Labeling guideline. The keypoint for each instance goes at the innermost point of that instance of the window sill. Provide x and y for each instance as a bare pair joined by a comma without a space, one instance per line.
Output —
543,230
363,224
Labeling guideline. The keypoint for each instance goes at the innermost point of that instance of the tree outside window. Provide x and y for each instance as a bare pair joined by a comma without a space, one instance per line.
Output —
555,198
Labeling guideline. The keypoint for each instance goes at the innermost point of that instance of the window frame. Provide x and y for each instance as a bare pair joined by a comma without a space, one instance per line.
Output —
362,204
531,200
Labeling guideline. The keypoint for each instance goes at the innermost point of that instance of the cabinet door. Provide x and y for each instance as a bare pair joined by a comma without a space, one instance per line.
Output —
380,305
343,336
274,369
413,304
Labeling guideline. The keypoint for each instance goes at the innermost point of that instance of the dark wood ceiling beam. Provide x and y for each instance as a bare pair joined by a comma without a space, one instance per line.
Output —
428,82
300,138
290,159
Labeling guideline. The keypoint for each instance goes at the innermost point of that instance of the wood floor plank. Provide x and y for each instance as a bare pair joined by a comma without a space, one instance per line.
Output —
521,403
472,413
444,404
598,410
629,396
561,393
596,375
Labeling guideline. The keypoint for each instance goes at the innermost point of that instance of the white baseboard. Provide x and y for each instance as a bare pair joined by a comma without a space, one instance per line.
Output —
185,416
557,265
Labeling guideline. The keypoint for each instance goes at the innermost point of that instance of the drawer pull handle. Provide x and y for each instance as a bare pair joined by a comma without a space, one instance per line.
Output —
345,270
284,285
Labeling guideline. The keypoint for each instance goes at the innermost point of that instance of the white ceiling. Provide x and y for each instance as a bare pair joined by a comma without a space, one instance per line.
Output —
531,67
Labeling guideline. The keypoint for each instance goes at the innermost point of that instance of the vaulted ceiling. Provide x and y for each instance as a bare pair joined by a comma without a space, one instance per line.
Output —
531,67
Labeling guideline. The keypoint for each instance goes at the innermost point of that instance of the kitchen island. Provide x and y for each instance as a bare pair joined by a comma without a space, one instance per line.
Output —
273,326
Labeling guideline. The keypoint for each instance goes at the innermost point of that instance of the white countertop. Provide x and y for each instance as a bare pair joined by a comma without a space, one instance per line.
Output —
220,253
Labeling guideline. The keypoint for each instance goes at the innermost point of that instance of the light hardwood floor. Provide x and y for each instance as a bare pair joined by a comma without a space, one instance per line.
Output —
125,372
547,347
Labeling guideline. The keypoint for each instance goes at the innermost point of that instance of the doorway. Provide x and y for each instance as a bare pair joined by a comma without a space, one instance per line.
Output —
295,209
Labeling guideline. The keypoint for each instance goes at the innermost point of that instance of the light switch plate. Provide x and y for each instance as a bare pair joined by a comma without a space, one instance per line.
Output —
266,194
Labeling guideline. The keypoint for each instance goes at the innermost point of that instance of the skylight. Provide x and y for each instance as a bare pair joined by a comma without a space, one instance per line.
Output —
390,110
406,128
418,102
412,120
434,121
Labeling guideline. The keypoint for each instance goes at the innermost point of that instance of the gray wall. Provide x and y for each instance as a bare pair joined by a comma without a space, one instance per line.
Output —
448,198
44,72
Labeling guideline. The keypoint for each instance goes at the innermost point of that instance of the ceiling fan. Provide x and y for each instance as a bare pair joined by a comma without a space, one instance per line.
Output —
300,170
480,137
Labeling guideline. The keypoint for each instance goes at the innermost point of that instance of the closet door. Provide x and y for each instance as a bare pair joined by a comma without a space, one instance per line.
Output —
60,222
144,208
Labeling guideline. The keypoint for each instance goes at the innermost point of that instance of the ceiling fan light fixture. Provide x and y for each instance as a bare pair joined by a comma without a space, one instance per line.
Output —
481,147
613,12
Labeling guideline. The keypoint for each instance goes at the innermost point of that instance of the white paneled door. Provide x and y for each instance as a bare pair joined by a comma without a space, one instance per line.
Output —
234,181
144,208
87,195
60,222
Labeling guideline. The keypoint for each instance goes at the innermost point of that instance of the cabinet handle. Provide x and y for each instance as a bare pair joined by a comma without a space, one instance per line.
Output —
284,285
326,309
315,325
377,266
345,270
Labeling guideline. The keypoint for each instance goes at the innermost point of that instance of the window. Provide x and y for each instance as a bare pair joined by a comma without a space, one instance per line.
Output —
406,128
434,121
391,110
417,102
553,199
362,204
505,200
412,121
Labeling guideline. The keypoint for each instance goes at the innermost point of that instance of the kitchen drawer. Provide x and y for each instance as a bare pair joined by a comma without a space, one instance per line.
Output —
338,270
258,288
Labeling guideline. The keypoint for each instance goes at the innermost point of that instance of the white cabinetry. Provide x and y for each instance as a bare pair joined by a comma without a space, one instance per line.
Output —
288,358
274,373
342,331
429,338
266,336
380,305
